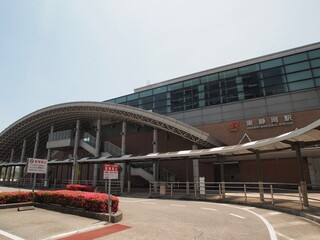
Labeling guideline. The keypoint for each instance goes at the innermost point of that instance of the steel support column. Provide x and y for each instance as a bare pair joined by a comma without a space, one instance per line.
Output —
223,188
302,175
10,168
46,183
155,150
97,153
75,166
22,159
123,152
259,174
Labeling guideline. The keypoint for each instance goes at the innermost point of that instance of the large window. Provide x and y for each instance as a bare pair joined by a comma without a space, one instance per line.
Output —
290,73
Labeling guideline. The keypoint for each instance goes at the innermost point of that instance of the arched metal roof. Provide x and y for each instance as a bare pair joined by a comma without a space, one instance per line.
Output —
64,116
306,136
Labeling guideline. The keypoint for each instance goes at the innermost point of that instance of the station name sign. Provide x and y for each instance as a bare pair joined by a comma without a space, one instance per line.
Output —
267,122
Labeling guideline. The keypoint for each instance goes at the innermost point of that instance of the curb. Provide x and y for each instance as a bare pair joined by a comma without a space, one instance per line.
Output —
115,217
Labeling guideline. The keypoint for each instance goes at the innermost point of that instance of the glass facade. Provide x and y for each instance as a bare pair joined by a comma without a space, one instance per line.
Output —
286,74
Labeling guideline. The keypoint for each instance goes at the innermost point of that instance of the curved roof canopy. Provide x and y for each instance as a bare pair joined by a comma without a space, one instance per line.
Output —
64,116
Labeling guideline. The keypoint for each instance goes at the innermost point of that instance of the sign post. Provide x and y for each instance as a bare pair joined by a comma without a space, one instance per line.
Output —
36,166
110,172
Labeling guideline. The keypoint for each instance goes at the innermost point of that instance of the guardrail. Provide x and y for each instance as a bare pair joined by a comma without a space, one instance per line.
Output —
257,192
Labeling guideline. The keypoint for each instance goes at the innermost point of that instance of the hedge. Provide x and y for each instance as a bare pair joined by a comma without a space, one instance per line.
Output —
15,197
78,187
95,202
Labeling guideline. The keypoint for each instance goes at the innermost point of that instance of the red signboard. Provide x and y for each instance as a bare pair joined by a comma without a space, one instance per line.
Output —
110,171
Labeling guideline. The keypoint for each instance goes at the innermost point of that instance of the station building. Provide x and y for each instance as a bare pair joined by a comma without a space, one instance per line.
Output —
242,102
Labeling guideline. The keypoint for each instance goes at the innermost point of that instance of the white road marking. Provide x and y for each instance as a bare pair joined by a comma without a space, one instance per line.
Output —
210,209
136,201
76,231
9,235
177,205
148,203
235,215
284,236
248,208
272,233
272,213
286,224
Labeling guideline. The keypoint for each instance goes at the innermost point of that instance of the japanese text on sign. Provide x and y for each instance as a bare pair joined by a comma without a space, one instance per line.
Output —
37,165
110,171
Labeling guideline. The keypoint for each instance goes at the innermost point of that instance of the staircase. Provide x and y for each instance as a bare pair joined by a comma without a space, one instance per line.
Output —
88,142
142,173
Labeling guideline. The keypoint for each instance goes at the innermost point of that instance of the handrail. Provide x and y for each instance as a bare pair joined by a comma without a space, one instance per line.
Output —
266,192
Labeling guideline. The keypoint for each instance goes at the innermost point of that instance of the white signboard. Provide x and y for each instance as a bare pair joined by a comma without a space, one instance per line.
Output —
202,186
35,165
110,171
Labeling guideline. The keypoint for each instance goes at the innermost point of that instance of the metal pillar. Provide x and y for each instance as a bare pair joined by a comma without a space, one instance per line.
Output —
195,163
75,166
223,188
123,152
22,159
155,150
10,168
35,152
259,172
46,183
302,176
129,175
97,153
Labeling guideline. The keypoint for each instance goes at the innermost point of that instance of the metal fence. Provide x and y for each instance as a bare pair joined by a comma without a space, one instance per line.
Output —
255,192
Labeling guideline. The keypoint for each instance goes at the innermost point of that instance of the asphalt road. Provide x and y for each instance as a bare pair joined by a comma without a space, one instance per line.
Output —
176,219
164,219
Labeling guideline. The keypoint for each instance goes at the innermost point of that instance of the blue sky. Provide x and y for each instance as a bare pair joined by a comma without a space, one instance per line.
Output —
56,51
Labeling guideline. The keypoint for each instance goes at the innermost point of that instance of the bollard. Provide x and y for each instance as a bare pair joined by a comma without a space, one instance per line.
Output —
245,192
271,191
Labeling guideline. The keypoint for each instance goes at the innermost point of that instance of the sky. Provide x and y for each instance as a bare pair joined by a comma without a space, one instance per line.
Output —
58,51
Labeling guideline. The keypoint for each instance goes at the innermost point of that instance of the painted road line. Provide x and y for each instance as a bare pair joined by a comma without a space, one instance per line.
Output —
235,215
9,235
82,230
136,201
177,205
272,213
151,203
288,224
272,233
284,236
210,209
98,233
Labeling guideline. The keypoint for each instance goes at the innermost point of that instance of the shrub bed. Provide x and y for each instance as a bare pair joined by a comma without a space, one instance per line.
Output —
15,197
95,202
78,187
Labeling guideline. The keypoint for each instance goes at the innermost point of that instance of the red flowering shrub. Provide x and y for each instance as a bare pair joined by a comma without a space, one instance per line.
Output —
15,197
95,202
78,187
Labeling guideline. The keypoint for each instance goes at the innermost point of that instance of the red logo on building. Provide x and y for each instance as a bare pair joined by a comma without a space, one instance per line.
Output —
234,126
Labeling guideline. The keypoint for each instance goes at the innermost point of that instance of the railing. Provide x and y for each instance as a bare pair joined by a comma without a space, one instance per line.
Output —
112,149
56,136
254,192
23,182
88,138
